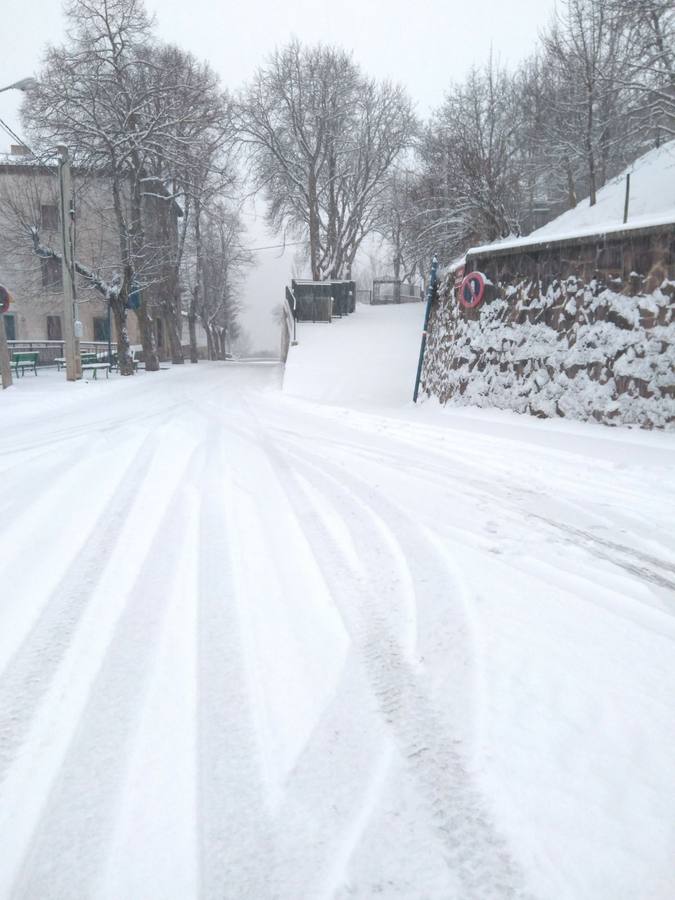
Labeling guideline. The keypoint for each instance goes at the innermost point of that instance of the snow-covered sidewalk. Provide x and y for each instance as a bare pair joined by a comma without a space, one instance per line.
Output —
253,645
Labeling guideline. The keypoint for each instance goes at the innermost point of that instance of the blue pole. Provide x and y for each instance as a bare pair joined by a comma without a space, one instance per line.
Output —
431,293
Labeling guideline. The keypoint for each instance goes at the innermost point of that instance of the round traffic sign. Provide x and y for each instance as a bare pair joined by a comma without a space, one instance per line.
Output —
472,290
5,299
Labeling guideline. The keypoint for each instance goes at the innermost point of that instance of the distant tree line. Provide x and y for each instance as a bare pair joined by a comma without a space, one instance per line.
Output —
509,150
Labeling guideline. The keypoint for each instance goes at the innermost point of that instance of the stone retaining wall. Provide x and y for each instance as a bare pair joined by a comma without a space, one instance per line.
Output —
598,350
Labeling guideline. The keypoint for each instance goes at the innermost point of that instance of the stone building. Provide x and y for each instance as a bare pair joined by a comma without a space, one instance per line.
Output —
29,194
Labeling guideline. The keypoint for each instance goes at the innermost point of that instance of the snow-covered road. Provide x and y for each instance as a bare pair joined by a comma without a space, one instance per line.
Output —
255,646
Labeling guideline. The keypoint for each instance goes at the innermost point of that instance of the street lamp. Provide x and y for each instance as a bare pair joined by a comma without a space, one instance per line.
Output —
25,84
72,325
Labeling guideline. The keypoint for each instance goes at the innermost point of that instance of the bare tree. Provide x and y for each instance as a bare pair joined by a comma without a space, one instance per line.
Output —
191,164
215,264
90,93
136,113
649,72
321,139
469,185
224,260
399,222
586,52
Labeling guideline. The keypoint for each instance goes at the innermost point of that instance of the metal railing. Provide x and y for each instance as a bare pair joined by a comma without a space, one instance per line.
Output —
49,351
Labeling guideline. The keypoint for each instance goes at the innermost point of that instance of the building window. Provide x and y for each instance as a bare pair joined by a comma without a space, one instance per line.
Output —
10,326
101,332
54,330
52,276
49,215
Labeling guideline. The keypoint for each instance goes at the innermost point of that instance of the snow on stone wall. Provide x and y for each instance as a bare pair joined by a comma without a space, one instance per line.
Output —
570,348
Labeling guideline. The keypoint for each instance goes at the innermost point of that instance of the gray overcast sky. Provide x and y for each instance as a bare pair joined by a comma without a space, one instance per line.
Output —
423,44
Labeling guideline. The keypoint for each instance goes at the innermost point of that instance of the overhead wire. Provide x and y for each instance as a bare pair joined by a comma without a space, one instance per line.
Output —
278,246
14,135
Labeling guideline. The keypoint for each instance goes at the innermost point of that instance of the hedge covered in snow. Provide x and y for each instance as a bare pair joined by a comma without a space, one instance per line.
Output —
590,351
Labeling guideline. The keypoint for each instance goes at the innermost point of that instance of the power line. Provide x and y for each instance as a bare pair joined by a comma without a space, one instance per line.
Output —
14,135
277,246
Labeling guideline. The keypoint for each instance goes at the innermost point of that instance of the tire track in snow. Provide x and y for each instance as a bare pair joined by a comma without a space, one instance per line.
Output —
29,672
68,847
469,473
26,482
526,465
45,438
601,546
474,851
443,445
342,757
235,847
510,500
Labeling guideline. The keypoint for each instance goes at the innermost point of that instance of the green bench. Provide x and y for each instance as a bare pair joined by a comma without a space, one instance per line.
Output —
24,361
89,362
84,358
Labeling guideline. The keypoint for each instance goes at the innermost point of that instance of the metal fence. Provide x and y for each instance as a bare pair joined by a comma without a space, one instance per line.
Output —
391,290
49,351
321,301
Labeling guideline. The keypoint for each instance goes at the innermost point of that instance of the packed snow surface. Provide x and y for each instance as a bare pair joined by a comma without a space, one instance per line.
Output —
317,642
651,202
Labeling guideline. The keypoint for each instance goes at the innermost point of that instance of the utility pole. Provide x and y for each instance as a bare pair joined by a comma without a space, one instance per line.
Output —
72,326
5,365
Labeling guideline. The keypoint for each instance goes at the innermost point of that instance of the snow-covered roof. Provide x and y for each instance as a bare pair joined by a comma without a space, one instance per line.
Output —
651,204
25,160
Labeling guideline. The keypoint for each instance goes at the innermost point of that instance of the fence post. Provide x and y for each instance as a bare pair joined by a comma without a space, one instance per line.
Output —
431,293
627,200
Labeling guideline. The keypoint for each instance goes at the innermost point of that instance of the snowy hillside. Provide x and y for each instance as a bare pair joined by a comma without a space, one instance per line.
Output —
368,358
652,202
